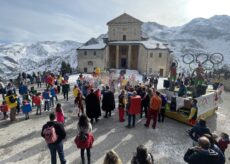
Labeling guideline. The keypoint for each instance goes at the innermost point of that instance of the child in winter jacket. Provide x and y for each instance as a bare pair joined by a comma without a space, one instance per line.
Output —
26,108
46,97
78,102
53,95
59,114
4,109
38,102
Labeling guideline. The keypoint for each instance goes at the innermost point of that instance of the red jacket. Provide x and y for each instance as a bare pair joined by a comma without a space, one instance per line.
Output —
135,105
4,108
37,100
223,144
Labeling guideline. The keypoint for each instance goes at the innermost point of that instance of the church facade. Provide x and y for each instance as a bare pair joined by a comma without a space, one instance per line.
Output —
125,48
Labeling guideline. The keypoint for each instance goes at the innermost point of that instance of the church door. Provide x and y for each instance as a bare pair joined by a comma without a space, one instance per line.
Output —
123,63
161,72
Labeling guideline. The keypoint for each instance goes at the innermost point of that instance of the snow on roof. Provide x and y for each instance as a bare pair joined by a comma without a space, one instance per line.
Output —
100,45
149,44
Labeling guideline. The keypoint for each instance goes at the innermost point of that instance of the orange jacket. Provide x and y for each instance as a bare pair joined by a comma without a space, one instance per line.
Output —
155,103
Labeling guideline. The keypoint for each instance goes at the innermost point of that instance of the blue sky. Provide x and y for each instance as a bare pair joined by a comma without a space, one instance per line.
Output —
79,20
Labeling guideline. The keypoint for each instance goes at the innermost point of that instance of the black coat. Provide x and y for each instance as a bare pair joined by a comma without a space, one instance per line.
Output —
201,156
145,99
65,88
93,109
108,102
198,131
59,129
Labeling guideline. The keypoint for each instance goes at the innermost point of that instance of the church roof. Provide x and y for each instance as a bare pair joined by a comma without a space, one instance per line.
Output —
123,19
97,46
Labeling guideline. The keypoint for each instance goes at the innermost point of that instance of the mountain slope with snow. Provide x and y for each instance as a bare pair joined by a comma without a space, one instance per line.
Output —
38,56
197,36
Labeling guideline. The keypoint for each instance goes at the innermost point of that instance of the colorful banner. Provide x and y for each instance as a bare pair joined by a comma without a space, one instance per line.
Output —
207,102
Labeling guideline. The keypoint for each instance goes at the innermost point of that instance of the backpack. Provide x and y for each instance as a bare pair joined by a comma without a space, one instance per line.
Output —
12,99
50,134
83,136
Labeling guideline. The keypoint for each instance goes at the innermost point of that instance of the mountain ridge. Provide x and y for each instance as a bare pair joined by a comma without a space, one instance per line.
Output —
200,35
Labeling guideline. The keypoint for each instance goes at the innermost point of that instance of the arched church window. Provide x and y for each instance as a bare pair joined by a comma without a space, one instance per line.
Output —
90,63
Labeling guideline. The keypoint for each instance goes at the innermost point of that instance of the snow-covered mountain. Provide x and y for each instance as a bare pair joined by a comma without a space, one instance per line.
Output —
39,56
197,36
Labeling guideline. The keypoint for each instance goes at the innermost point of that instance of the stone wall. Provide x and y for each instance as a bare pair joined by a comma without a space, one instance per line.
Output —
90,59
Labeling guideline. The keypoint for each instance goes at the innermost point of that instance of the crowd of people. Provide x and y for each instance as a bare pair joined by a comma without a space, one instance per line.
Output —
133,100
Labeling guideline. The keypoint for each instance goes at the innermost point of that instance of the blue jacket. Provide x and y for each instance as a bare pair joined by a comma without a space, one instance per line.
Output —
23,89
52,92
46,95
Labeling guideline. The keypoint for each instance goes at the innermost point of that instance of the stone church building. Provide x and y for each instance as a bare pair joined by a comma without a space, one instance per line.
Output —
124,47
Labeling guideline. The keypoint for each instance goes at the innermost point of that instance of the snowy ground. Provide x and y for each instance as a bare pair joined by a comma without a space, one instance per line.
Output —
21,141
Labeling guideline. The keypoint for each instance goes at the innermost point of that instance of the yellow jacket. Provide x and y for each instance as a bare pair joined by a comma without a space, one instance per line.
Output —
11,105
192,113
75,92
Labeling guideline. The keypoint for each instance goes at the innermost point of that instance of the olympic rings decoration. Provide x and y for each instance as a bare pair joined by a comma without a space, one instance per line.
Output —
188,58
202,58
208,60
216,58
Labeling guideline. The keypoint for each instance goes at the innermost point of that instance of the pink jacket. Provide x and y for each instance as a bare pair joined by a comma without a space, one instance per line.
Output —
60,117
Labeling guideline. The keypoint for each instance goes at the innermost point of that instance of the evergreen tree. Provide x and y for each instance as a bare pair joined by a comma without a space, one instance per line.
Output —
65,68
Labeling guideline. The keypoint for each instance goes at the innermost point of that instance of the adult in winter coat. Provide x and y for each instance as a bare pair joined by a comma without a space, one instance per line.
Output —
121,106
55,141
23,91
133,108
65,90
199,130
161,114
201,154
213,146
145,99
108,102
155,106
93,109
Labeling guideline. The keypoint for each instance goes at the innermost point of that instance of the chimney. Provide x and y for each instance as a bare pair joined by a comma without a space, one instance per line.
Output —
158,45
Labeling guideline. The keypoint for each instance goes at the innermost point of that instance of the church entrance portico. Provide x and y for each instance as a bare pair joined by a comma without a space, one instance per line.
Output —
123,63
123,56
